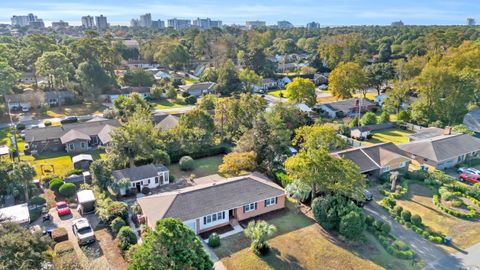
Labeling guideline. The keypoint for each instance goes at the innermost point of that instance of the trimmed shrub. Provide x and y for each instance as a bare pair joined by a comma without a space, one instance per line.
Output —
389,202
63,247
416,220
186,163
378,225
55,184
146,190
171,178
126,238
386,228
47,123
37,200
400,245
117,224
59,235
418,175
214,240
191,100
398,210
21,126
369,220
68,189
406,215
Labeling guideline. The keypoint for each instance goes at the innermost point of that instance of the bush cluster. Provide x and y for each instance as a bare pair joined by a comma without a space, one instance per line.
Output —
126,238
471,210
37,200
63,247
393,246
116,224
186,163
68,189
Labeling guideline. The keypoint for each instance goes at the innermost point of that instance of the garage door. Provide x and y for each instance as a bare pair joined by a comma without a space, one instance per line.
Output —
191,225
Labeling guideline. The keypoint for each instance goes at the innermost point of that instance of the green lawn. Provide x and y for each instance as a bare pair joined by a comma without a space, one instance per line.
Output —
394,135
300,243
276,92
203,167
167,103
190,81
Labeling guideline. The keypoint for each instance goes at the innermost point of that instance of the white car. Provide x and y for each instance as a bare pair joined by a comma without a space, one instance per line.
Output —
83,231
468,171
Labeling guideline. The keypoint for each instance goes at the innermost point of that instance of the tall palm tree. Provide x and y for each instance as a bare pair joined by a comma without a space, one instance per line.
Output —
258,232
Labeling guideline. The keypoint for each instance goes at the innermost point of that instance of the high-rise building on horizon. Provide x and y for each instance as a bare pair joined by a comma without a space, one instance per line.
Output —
255,24
313,25
399,23
158,24
179,23
207,23
87,22
471,22
145,20
27,20
101,22
284,24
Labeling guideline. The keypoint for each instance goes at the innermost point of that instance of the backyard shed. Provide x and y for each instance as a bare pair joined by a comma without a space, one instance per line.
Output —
18,213
82,161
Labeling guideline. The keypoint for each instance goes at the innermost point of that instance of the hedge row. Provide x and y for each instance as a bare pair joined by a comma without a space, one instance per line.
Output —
471,210
393,246
404,217
208,152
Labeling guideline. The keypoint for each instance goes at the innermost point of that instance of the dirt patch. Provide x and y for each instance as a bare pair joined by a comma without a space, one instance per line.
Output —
110,249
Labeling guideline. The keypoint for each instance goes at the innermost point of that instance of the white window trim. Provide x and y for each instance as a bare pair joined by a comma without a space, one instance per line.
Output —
270,201
249,207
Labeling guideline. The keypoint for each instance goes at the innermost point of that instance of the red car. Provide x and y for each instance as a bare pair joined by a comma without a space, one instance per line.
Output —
62,208
470,178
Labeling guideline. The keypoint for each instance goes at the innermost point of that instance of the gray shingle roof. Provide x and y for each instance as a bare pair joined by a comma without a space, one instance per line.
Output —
197,86
197,201
73,135
348,104
168,122
373,157
50,133
426,133
472,120
443,147
139,173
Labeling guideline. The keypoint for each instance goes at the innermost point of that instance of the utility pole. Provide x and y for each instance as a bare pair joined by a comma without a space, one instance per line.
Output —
14,137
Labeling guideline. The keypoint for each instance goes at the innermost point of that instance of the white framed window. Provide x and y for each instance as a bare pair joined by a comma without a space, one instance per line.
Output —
82,145
385,169
71,146
214,217
403,164
148,181
156,180
249,207
270,201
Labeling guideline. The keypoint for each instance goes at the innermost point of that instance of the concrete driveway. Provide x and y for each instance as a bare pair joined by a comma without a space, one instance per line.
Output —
90,256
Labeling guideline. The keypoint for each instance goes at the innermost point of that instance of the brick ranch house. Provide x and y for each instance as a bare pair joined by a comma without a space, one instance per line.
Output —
209,206
74,138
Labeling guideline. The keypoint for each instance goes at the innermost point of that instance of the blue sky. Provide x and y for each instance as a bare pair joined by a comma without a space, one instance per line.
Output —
299,12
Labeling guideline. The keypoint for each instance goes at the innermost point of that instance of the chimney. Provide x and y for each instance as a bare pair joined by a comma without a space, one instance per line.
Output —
447,130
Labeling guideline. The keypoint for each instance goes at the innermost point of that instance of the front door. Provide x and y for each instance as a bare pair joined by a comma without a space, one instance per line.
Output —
138,186
231,213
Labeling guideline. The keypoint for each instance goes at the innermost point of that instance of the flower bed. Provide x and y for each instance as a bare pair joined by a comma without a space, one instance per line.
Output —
401,190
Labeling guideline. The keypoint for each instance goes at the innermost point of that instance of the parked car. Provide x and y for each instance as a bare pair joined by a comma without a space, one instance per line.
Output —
83,231
468,171
470,178
368,195
69,119
62,208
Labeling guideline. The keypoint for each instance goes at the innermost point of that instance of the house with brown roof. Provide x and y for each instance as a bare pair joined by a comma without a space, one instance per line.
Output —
204,207
443,151
376,159
77,137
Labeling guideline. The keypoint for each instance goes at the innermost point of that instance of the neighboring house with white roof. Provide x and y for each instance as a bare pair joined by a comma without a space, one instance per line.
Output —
443,151
18,213
265,85
161,75
204,207
150,176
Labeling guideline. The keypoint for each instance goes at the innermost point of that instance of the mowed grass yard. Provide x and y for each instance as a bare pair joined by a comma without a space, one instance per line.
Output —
394,135
203,167
277,92
465,233
300,243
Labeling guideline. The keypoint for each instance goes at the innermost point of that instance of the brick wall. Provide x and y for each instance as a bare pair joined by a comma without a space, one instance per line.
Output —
261,209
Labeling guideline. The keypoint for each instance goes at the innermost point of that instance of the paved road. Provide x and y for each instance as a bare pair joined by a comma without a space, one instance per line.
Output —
273,99
425,249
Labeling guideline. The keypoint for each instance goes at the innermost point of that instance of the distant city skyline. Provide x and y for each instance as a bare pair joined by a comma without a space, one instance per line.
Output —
298,12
